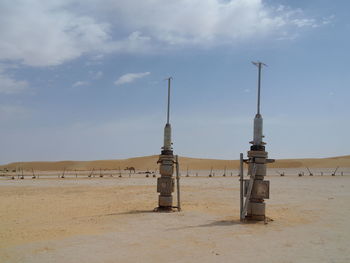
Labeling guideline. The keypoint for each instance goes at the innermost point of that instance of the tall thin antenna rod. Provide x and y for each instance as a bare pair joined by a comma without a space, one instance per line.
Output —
259,65
168,112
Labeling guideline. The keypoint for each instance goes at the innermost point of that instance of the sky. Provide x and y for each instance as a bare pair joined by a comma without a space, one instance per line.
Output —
85,79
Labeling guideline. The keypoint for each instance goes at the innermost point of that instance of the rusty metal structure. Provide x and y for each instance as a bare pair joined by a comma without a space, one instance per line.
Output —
167,162
255,189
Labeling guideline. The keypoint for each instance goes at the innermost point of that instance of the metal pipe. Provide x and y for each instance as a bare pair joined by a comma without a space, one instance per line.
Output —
259,82
168,111
241,185
259,65
178,183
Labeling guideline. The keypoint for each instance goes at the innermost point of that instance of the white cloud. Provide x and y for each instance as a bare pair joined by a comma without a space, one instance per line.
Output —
204,22
80,83
9,85
44,33
130,77
304,22
98,74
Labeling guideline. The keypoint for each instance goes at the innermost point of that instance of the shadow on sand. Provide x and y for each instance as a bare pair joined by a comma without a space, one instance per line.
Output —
211,224
132,212
222,223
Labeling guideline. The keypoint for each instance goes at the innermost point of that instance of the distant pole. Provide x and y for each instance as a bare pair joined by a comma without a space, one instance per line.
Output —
241,186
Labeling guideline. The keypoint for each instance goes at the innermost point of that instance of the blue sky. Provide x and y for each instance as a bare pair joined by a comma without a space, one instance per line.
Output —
84,80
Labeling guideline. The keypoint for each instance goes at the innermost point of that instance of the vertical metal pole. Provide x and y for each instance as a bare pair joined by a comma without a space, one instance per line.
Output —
168,111
241,185
259,82
178,183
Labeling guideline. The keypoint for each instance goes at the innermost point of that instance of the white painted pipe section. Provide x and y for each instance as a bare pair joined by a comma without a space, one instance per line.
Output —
258,130
167,137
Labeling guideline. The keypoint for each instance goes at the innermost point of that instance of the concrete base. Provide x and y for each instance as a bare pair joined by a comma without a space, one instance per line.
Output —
164,209
165,200
256,211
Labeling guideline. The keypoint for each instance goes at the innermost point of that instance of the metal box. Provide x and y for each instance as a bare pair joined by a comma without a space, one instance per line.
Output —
166,169
260,190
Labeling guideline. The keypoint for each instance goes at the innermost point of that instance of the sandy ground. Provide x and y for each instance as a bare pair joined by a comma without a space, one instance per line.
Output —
111,220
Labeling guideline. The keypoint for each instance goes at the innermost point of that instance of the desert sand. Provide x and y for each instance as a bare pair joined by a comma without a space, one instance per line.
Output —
111,219
150,162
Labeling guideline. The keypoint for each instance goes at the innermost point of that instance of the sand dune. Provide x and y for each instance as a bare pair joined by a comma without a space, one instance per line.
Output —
150,162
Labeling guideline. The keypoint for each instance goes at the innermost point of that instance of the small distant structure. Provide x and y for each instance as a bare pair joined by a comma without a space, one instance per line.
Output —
92,171
22,176
63,174
310,173
211,172
279,173
335,171
148,173
224,172
130,169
